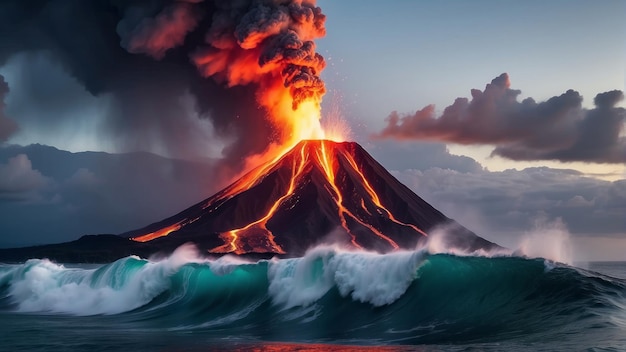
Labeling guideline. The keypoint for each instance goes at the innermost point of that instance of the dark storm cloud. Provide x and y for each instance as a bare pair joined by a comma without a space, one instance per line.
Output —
49,195
80,37
19,181
556,129
139,54
7,125
510,201
43,96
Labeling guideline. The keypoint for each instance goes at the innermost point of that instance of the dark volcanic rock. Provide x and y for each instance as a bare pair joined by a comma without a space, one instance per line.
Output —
87,249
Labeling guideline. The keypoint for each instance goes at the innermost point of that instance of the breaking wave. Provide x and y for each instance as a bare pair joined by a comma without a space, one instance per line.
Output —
330,295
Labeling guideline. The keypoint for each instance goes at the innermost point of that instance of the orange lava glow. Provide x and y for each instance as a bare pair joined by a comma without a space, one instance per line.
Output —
374,197
303,123
232,237
235,239
292,103
159,233
164,231
323,155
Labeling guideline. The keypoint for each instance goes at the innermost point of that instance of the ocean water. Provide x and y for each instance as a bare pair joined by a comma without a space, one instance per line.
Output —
329,300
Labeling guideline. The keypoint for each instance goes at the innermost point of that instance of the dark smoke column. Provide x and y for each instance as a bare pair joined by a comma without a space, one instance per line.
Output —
265,44
245,64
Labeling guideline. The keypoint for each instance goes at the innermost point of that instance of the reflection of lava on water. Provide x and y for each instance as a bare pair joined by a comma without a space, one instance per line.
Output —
293,202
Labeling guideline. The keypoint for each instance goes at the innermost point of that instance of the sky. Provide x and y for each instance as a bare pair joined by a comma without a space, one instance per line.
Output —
562,171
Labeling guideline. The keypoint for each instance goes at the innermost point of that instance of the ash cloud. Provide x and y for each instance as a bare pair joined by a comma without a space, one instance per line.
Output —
556,129
7,125
146,55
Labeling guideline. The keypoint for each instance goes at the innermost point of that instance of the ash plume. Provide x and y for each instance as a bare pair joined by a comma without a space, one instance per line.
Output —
147,54
556,129
7,125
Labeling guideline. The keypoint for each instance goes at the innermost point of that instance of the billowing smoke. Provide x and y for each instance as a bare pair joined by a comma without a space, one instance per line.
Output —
556,129
236,59
246,41
7,125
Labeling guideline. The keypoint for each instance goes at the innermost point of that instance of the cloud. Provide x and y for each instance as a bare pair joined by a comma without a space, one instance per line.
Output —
7,125
507,202
19,181
49,195
556,129
419,156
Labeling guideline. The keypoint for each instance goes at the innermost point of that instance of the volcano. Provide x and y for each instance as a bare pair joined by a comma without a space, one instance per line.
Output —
318,192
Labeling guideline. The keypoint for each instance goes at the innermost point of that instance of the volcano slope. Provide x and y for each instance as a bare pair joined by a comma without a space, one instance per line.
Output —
318,192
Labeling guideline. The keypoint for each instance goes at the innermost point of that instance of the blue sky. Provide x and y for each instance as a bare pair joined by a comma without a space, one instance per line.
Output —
407,54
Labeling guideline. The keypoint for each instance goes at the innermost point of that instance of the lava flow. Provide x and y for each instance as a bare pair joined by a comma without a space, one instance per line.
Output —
317,154
320,191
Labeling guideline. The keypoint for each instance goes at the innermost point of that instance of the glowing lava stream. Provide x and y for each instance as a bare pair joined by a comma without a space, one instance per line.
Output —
232,236
328,166
159,233
164,231
375,198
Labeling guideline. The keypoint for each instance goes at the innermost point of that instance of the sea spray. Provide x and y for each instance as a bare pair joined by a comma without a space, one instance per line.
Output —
299,282
548,239
129,283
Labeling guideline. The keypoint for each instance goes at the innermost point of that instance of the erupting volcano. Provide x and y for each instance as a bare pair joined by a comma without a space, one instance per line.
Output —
320,191
317,191
260,56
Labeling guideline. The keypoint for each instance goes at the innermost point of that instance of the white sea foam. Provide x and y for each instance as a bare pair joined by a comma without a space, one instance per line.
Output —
43,286
366,277
296,282
227,264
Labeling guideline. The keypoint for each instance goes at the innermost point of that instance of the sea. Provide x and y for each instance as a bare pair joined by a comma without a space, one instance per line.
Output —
328,300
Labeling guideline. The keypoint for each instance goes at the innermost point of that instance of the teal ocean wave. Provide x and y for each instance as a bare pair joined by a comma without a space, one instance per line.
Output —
332,296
